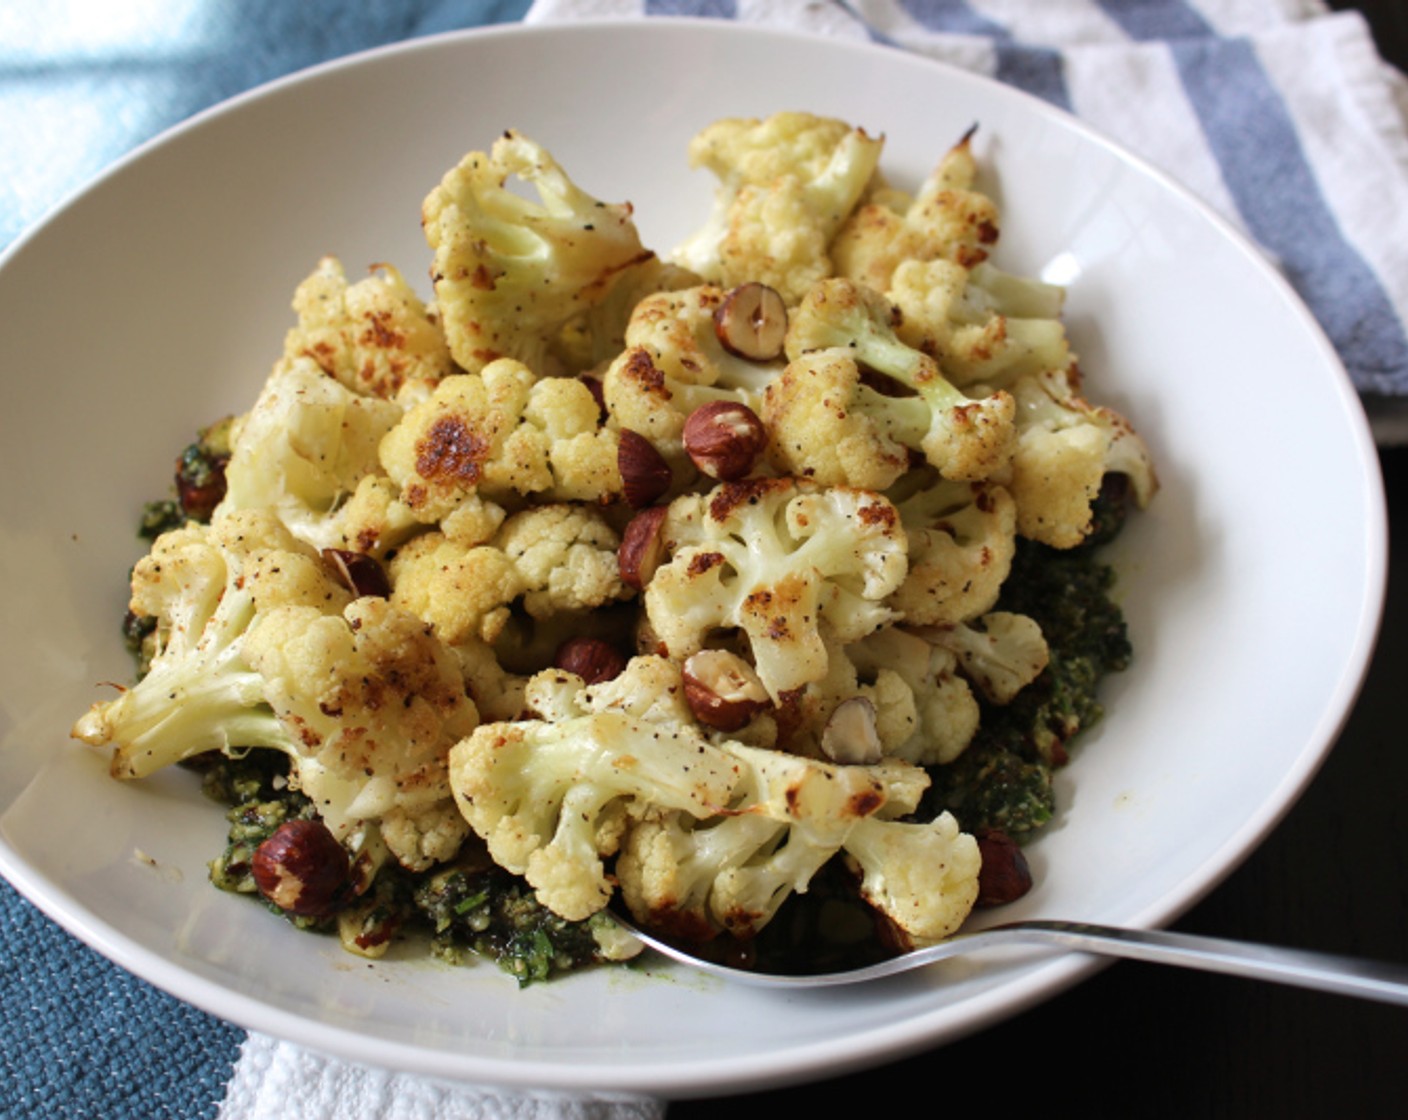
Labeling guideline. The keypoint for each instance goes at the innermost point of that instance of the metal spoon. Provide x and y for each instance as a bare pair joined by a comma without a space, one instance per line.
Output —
1348,976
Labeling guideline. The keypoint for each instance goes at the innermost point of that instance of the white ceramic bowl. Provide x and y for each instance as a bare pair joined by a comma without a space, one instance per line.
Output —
157,299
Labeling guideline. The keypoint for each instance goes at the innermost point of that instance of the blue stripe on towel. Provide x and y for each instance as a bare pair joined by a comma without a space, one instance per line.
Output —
1144,20
716,9
81,1038
1270,180
1037,70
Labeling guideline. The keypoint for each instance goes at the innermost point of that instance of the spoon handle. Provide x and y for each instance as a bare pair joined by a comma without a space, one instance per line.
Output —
1348,976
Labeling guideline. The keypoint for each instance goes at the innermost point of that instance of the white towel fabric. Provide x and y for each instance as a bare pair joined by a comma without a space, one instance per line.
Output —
1278,112
278,1081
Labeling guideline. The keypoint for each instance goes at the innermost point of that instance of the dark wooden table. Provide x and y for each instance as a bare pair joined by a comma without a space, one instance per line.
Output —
1147,1041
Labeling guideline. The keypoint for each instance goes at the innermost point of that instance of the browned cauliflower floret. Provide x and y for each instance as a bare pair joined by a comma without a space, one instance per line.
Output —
674,362
826,421
783,561
1001,652
554,558
552,796
733,870
786,184
510,273
307,451
981,325
462,592
503,434
962,537
378,700
948,218
260,645
827,424
374,336
1065,448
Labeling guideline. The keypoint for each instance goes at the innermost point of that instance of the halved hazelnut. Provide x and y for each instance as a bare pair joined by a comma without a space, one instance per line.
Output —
362,574
645,475
642,547
722,690
590,658
724,439
849,736
301,868
752,322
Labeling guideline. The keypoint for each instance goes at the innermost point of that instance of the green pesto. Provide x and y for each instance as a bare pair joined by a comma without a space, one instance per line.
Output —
470,909
477,909
1004,779
255,789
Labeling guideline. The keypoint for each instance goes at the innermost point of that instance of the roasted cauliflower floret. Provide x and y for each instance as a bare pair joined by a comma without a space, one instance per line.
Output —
1001,652
825,420
945,712
732,871
948,219
782,561
922,876
260,646
375,336
980,325
553,558
786,185
501,434
962,536
674,362
307,450
377,700
511,273
462,592
566,556
553,797
1065,448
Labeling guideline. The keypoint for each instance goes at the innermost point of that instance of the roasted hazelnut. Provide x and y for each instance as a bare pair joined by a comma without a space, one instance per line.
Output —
645,475
590,658
200,482
722,690
642,547
1005,875
724,439
594,387
752,322
360,573
301,868
849,736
